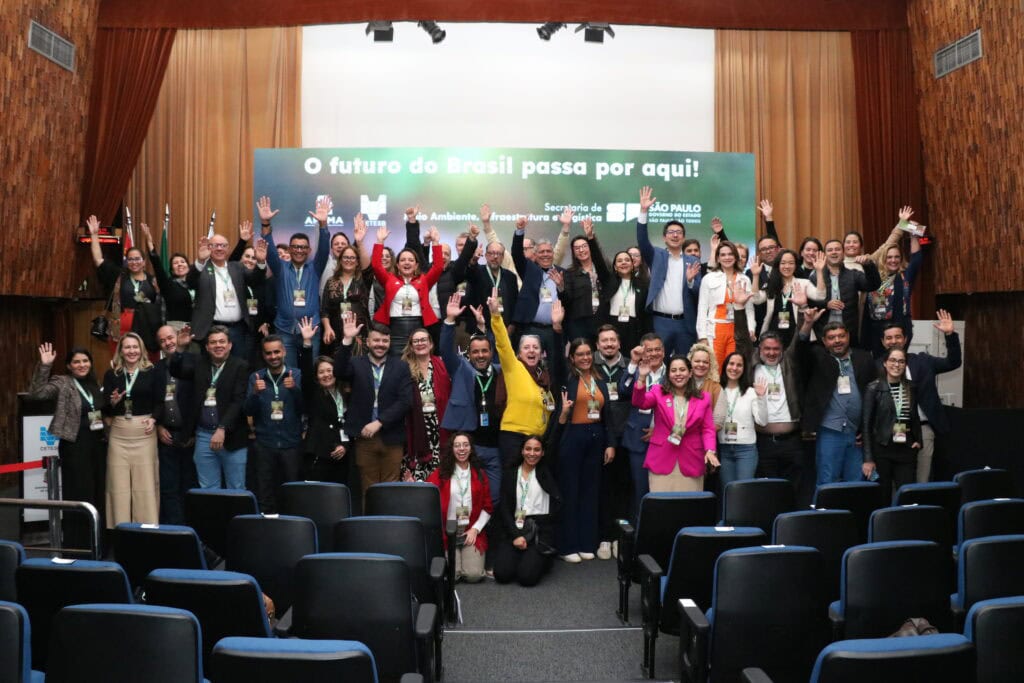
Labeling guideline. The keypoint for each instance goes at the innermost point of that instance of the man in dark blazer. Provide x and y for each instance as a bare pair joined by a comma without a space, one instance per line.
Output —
637,431
174,445
382,387
921,370
837,376
480,280
219,381
222,297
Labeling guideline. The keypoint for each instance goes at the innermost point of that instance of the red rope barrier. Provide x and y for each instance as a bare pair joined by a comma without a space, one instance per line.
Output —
21,466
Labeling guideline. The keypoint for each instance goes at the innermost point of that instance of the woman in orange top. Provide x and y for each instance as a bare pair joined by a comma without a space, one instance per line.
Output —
715,305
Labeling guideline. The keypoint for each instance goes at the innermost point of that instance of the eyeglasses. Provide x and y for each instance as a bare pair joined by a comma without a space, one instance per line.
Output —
421,340
581,247
674,232
765,250
349,258
134,259
299,247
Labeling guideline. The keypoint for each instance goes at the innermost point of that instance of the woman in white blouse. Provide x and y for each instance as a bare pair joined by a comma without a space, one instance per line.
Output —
715,325
737,411
780,312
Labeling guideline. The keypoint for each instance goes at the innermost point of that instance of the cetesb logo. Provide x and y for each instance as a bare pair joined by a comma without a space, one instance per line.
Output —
620,212
46,437
373,209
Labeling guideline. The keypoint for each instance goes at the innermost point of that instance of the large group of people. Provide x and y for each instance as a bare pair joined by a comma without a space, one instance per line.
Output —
543,401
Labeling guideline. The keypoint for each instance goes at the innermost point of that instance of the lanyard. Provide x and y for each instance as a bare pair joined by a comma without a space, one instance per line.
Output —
222,275
897,398
216,373
86,395
339,403
378,375
277,391
610,372
834,282
773,372
496,282
463,483
625,289
786,297
680,414
591,387
731,403
844,364
298,274
484,387
136,285
524,486
129,381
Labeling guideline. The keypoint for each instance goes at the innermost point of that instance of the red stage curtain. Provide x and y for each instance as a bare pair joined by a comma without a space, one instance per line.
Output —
129,69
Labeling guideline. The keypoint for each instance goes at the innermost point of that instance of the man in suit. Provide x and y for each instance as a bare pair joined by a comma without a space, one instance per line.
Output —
215,417
837,377
637,431
222,294
542,284
675,282
843,287
174,448
921,370
383,385
480,280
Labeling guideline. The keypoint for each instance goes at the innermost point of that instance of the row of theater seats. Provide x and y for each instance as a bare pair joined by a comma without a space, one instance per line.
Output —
916,554
384,590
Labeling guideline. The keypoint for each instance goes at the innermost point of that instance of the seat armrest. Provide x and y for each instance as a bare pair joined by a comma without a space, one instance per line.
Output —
437,567
426,621
749,675
283,627
627,540
650,592
649,567
451,528
694,634
411,678
838,622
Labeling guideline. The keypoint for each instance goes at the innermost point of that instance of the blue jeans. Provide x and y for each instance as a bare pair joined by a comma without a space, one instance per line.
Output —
674,334
838,456
491,459
292,341
209,464
739,461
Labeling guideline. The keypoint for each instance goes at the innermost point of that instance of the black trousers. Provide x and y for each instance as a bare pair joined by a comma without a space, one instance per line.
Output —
177,475
615,491
896,465
83,475
526,567
274,466
782,456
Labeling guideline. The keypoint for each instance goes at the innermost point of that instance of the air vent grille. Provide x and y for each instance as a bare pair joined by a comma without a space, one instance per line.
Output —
52,46
960,53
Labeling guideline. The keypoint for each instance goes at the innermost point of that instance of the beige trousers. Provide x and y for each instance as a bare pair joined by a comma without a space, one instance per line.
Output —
133,473
469,563
674,482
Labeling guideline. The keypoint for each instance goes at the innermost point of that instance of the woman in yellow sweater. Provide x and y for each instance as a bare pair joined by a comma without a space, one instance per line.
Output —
531,399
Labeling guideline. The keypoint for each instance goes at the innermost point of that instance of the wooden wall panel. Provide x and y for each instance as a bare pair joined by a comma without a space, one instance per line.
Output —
42,146
971,125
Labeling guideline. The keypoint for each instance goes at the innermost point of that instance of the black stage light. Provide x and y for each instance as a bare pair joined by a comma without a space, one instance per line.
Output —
545,30
383,31
594,33
435,32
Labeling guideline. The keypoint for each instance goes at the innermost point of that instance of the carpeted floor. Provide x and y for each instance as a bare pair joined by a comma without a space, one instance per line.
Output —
564,629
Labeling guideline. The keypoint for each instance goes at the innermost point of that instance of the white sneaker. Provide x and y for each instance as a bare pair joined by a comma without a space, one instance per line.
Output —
615,549
586,556
572,558
604,551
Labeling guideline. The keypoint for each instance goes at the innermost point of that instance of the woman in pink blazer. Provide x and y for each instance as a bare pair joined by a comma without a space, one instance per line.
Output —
682,446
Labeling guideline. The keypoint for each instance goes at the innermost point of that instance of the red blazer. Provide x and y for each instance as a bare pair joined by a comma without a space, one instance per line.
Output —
418,447
699,438
480,493
392,283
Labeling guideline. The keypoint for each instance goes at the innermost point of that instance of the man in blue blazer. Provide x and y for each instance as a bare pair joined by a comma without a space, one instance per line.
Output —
675,282
382,396
477,401
921,370
638,424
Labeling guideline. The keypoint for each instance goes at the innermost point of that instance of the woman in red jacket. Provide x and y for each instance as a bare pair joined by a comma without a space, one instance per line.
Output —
432,387
466,498
406,304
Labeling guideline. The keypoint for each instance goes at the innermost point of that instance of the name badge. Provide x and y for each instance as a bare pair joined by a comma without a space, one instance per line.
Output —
229,296
613,392
485,419
298,297
277,410
595,303
783,320
545,295
593,410
774,389
169,392
429,407
95,420
899,433
141,298
729,431
254,306
675,439
623,314
342,436
501,304
211,398
729,312
127,409
879,312
462,515
549,401
520,518
345,307
843,384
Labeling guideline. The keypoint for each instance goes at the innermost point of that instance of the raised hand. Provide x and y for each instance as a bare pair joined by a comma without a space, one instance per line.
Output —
485,213
474,231
521,223
756,266
203,252
636,354
289,381
556,277
557,313
454,308
740,294
646,199
323,209
434,235
566,218
692,271
478,313
266,213
566,404
799,294
307,328
46,353
411,213
766,209
260,384
93,224
820,261
382,234
905,213
761,386
245,230
945,324
260,250
358,227
492,303
716,239
147,234
348,325
811,315
184,337
716,226
644,368
588,227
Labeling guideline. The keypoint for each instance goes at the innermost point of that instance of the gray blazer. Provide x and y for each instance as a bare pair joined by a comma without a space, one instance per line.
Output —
68,416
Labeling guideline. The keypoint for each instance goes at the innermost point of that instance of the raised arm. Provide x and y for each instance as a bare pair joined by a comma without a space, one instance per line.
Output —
244,235
562,243
466,255
768,211
643,241
412,234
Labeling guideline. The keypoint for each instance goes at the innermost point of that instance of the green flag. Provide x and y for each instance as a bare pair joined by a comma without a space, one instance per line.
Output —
165,253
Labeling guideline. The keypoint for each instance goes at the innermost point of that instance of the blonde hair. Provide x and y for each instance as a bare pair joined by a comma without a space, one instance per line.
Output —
118,361
713,371
409,356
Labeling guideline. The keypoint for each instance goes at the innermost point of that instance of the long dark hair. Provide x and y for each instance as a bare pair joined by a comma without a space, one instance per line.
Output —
574,345
744,379
690,390
90,379
576,265
775,278
447,466
543,450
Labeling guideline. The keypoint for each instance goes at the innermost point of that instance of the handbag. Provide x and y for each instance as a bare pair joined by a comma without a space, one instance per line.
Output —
99,327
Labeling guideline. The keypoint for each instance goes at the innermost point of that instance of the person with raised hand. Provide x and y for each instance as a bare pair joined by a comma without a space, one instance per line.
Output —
406,304
715,308
622,301
135,303
494,274
492,237
890,302
922,369
584,281
640,423
740,411
274,402
779,312
175,290
675,281
375,421
297,280
78,423
431,393
345,291
843,286
326,445
682,444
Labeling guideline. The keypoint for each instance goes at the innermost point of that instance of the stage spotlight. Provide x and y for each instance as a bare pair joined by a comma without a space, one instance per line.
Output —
435,32
594,33
545,30
383,31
